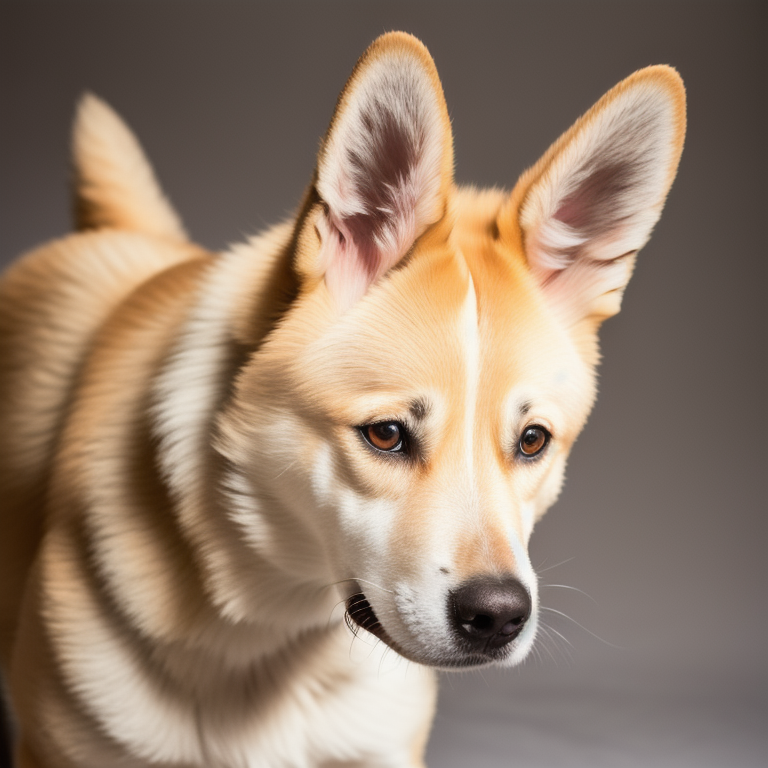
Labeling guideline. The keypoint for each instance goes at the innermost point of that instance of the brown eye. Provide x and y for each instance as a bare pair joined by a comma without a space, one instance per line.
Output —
388,436
533,441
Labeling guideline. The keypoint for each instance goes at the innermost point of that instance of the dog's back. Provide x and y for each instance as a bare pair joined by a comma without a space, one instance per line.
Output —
52,303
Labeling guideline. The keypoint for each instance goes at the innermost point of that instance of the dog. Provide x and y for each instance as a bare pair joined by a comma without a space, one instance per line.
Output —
209,462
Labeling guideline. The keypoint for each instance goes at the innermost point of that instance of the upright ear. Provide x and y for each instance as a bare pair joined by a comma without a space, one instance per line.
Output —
590,203
384,169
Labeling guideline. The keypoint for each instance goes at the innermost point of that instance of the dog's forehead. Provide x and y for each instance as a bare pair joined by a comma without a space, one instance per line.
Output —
463,308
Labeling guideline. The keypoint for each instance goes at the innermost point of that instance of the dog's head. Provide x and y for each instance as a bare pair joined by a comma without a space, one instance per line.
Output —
411,413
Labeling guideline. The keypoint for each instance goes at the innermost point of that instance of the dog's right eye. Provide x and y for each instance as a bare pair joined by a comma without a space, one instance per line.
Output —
385,436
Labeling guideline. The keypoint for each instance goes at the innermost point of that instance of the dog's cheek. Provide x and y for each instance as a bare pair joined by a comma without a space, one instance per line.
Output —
353,523
396,564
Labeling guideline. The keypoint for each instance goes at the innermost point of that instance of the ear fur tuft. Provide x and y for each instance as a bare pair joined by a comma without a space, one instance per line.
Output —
592,201
385,165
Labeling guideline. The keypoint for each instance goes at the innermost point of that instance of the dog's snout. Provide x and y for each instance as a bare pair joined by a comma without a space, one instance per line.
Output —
489,612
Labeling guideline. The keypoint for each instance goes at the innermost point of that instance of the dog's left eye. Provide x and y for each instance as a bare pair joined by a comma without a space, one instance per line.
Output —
533,441
386,436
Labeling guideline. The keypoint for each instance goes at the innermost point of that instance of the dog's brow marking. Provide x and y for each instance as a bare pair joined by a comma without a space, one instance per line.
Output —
525,406
418,409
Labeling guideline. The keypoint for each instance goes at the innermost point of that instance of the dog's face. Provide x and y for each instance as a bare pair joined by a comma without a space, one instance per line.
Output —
445,406
411,414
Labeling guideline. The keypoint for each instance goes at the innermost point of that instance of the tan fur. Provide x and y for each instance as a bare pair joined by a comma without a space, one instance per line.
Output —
114,184
188,499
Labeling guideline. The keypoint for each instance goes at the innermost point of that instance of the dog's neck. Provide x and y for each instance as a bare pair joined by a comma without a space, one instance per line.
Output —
266,575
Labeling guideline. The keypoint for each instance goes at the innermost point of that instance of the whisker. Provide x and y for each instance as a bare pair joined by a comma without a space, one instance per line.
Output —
290,466
378,586
333,610
364,581
581,626
387,651
550,628
355,629
563,649
381,661
575,589
556,565
349,621
352,643
545,646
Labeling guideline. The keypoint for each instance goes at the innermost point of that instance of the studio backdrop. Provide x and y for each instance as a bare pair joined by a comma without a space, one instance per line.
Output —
652,562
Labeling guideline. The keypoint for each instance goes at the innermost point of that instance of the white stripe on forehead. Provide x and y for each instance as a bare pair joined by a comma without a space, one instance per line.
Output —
471,336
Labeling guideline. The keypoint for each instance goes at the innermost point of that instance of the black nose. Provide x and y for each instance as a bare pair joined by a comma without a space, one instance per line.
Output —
489,612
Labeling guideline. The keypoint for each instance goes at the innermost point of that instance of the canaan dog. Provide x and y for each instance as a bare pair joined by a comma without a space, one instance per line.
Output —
209,461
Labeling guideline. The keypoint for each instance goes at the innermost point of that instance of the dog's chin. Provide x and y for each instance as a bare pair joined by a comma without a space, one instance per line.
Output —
360,615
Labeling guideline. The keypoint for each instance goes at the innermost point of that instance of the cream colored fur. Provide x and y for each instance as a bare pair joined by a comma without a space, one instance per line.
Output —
189,498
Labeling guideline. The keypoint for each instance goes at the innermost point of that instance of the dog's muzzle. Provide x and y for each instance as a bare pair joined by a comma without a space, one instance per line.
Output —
484,615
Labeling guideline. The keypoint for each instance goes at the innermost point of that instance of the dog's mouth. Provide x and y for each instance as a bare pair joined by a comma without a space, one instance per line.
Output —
361,614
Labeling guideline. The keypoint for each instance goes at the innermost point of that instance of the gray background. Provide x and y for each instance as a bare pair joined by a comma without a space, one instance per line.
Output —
662,521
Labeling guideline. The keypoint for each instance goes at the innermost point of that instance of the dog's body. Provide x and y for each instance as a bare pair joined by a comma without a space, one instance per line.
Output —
203,458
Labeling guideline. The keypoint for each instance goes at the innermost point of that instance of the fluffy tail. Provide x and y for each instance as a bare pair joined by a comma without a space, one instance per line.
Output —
115,185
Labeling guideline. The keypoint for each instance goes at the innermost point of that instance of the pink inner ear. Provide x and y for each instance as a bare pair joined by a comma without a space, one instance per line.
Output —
380,227
603,199
598,198
568,212
352,264
380,174
355,233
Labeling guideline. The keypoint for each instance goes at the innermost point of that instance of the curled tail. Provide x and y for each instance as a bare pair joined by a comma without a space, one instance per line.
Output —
115,186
